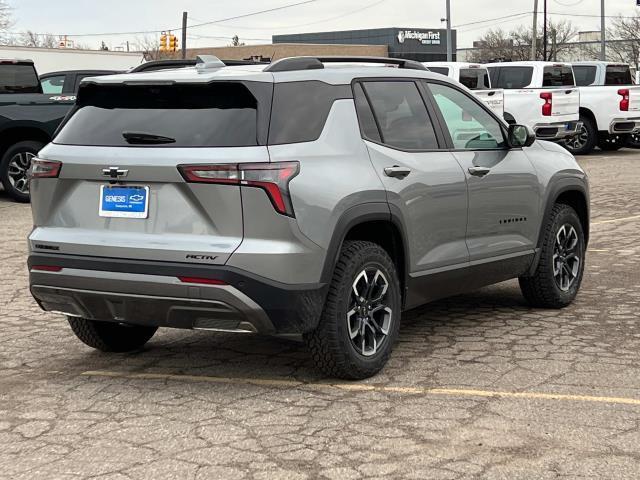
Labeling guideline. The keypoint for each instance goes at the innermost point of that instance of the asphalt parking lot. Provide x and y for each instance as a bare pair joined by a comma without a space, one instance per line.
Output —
479,386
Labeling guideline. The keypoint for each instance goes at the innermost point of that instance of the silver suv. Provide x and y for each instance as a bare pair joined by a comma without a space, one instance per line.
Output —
313,197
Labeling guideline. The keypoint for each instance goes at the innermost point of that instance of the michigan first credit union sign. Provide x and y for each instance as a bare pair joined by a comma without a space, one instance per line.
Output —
422,44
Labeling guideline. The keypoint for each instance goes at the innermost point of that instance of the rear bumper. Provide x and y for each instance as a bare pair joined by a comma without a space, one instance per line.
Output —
557,131
624,125
150,293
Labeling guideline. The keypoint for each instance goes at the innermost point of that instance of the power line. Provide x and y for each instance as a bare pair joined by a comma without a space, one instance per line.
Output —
492,19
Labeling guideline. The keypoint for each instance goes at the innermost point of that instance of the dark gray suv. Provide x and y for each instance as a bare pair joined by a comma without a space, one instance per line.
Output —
313,197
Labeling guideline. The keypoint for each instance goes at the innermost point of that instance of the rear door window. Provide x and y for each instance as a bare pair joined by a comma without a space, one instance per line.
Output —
511,77
474,78
440,70
618,75
585,75
401,114
558,76
53,85
221,114
18,78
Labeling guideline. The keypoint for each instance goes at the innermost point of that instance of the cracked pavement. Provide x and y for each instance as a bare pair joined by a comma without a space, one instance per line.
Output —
196,405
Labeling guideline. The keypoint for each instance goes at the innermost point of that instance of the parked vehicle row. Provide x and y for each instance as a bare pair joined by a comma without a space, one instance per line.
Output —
294,199
580,105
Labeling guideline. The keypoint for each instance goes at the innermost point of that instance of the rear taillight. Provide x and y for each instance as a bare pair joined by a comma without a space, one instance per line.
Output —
44,168
46,268
624,103
273,178
547,107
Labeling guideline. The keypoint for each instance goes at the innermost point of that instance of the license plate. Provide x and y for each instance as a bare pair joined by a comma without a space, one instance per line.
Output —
124,202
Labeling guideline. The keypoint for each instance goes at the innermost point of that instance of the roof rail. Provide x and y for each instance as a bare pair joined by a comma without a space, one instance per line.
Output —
316,63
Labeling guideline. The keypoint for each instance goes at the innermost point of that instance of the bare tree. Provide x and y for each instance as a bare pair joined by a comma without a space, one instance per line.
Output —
6,20
624,41
516,45
235,41
32,39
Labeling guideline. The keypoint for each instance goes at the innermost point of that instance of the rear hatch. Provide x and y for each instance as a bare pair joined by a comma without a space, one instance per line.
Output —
136,161
565,96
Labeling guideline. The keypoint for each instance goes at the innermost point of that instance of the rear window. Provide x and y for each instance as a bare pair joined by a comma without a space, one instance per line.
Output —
440,70
18,78
585,75
511,77
618,75
558,76
221,114
474,78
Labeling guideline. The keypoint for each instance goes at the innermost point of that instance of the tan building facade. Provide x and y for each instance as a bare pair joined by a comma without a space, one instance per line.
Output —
284,50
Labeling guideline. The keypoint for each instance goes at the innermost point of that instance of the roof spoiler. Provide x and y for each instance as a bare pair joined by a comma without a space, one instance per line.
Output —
317,63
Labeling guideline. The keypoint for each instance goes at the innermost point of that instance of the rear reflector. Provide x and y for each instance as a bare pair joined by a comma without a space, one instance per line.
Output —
206,281
46,268
273,178
44,168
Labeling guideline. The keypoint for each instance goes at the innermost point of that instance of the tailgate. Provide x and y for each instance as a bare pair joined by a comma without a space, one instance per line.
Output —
634,99
565,104
494,99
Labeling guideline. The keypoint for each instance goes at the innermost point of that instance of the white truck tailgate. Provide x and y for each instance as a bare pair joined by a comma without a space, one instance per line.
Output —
565,103
494,99
634,98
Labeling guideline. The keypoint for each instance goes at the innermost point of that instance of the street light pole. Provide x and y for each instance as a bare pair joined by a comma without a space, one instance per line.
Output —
603,34
544,34
449,46
534,36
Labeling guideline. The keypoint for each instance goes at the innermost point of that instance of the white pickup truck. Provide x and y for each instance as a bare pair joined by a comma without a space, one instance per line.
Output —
541,95
609,106
476,78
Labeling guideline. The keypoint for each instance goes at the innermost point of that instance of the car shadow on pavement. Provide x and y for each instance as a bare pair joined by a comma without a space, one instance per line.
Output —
236,355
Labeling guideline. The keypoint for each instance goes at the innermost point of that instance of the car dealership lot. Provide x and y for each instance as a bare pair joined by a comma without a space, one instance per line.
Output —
478,386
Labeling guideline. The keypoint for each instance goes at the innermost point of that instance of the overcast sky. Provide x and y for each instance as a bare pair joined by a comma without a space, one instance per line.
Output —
101,16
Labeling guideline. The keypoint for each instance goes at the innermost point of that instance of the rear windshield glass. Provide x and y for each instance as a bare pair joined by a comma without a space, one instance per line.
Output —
585,75
511,77
474,78
558,76
440,70
16,78
214,115
618,75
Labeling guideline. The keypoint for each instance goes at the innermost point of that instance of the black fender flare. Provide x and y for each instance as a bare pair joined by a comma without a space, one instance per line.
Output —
358,214
560,186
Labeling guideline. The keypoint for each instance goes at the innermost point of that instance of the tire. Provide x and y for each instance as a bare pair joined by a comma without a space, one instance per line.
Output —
13,169
586,140
111,336
334,349
544,289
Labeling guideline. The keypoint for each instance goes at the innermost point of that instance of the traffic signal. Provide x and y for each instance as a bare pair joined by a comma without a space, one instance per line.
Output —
173,43
163,42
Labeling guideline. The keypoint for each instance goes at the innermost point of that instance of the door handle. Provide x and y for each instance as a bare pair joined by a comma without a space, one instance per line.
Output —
397,172
479,171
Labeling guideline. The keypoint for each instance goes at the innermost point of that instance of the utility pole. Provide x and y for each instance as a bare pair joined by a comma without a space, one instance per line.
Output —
544,34
184,35
449,46
534,36
603,35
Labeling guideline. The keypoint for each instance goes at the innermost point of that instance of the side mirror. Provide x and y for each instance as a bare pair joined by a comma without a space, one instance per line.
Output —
521,136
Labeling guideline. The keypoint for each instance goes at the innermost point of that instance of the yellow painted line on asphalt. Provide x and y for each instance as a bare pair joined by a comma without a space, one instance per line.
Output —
360,387
614,220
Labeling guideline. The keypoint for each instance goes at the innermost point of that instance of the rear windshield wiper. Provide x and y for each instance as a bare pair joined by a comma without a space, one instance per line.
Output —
141,138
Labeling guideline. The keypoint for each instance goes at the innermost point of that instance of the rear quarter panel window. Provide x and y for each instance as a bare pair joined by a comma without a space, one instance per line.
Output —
300,110
511,77
618,75
585,75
